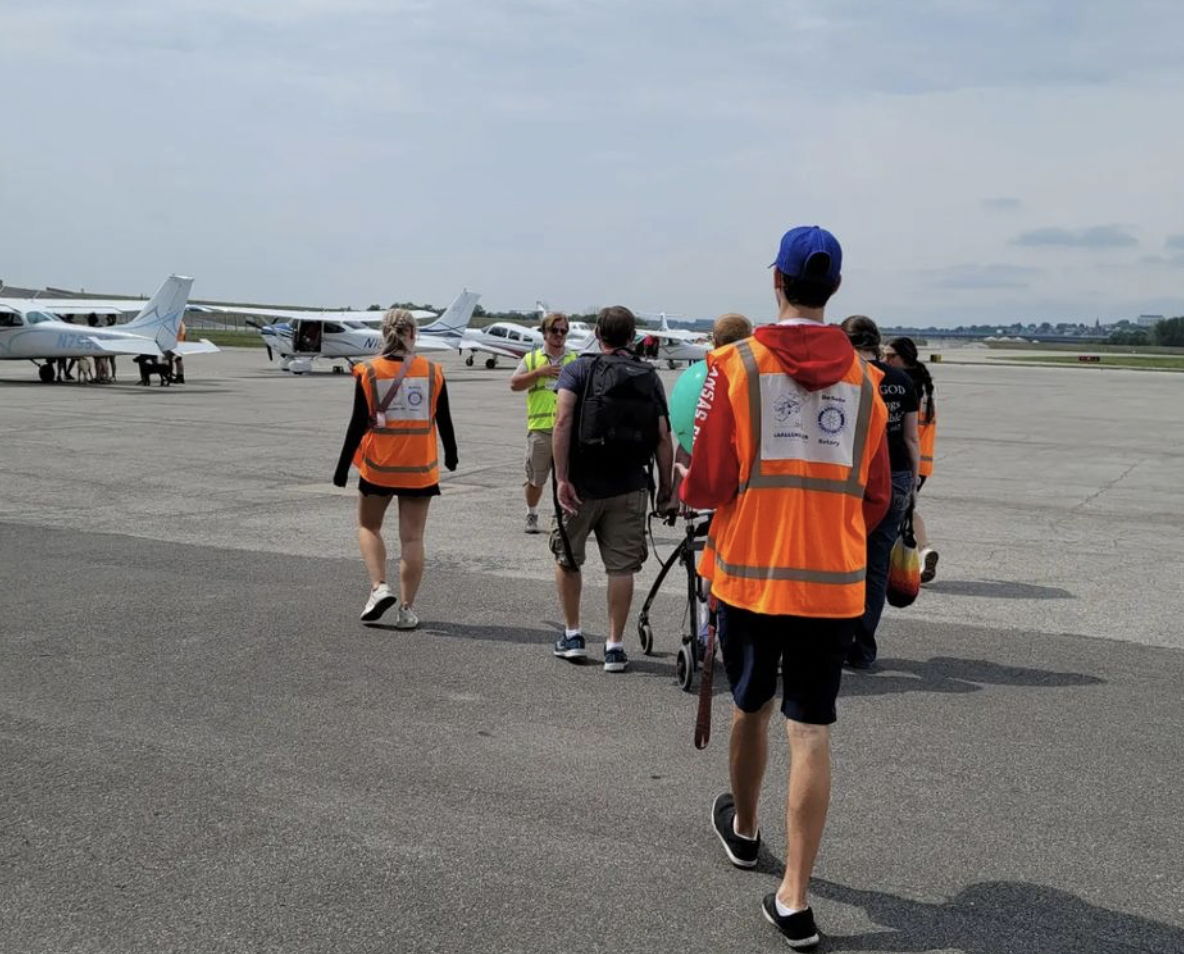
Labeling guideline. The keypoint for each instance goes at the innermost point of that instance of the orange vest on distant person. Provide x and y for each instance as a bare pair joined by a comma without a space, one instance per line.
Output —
927,430
402,452
793,541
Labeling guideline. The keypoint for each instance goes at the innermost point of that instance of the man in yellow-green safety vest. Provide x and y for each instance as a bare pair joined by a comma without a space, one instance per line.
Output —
537,374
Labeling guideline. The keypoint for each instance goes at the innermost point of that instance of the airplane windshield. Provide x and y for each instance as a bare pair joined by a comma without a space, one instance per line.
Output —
36,317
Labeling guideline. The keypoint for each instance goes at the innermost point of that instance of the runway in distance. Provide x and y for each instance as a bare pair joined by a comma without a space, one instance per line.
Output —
30,329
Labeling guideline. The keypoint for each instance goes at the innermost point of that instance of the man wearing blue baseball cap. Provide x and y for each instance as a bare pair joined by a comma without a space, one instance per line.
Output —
790,452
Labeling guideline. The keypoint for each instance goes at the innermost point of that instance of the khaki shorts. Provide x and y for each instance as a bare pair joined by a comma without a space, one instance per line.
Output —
619,525
538,457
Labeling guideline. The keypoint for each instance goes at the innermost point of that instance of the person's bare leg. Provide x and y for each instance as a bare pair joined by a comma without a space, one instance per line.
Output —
413,517
371,510
533,495
748,753
805,814
919,530
569,583
620,598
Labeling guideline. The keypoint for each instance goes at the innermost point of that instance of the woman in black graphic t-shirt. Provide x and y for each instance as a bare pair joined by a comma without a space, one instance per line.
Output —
904,452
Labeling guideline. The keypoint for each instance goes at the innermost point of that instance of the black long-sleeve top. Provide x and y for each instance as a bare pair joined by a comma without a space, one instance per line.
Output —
359,423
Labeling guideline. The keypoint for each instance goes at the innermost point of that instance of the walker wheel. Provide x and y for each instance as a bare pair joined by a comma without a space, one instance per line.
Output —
646,634
684,667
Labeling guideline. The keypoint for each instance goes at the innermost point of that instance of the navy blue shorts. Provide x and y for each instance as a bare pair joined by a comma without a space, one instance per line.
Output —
810,652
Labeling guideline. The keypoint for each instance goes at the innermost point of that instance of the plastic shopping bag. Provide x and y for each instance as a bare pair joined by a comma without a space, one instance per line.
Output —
904,565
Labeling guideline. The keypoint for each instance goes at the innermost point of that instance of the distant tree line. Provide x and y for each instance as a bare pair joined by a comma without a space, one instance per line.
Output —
1168,333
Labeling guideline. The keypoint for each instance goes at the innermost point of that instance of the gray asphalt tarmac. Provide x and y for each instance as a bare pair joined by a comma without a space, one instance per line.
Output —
202,749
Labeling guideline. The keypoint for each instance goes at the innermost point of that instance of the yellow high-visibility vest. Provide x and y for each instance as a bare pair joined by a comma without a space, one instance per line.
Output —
540,397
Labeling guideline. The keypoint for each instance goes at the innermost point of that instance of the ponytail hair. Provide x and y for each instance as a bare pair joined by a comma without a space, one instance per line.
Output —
906,350
862,332
397,325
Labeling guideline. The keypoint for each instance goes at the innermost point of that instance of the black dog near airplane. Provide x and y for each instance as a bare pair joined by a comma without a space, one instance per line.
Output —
150,366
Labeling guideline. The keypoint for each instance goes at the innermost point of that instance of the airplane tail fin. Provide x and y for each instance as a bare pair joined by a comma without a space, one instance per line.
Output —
455,320
160,319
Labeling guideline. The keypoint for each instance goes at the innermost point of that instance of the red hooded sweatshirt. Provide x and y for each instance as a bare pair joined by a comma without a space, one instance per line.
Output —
816,356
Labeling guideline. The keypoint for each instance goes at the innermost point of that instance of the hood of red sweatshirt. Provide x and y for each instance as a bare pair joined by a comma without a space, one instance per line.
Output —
814,355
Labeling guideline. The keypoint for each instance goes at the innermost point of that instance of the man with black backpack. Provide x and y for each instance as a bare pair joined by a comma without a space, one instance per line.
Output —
611,424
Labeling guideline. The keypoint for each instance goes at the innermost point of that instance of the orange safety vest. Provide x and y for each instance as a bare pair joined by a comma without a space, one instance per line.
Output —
927,430
402,452
793,542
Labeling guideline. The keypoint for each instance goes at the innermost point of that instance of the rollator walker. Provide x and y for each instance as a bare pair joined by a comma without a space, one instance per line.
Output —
696,613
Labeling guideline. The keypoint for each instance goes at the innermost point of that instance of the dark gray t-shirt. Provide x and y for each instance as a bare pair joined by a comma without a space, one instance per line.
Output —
597,475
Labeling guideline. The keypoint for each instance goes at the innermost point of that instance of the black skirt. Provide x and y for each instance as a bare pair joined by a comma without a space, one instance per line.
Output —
378,490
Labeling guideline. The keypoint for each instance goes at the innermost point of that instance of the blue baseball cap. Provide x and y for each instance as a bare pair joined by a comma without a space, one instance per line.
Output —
800,245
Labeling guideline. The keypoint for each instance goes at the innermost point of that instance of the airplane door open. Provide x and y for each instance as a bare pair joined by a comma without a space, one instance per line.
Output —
306,336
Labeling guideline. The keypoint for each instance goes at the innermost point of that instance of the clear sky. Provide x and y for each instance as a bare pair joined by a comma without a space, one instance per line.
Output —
979,161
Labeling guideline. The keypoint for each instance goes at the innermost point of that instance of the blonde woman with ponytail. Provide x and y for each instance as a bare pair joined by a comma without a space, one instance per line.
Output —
400,405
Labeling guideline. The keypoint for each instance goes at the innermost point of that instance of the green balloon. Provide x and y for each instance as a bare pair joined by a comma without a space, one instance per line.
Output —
683,400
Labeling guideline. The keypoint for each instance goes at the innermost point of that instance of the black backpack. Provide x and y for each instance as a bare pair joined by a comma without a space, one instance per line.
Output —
619,409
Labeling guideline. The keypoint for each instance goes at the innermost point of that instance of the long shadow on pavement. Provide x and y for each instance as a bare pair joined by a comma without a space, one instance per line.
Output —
999,590
953,675
997,917
659,664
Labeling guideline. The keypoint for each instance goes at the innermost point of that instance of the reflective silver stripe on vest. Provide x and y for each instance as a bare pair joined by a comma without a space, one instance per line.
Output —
852,486
789,573
425,469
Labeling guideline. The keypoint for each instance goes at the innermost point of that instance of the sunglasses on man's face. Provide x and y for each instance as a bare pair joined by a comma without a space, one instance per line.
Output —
557,331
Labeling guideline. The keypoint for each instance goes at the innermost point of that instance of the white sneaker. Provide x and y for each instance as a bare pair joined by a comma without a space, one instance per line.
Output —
532,523
928,565
406,618
381,599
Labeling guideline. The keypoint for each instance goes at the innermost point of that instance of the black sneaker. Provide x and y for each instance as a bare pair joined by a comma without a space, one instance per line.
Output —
742,852
798,929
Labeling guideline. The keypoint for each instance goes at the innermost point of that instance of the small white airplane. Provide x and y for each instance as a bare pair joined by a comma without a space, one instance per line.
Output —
350,336
505,339
675,344
31,331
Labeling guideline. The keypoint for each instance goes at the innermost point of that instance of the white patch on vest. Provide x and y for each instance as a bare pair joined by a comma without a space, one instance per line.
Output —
814,426
412,403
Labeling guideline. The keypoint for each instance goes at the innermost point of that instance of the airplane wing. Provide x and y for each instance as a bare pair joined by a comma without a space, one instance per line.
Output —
290,314
472,344
202,346
128,345
86,306
426,343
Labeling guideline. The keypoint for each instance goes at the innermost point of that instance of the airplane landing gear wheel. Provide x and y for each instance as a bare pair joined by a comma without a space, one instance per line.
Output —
491,363
684,667
338,369
671,364
45,373
469,359
646,634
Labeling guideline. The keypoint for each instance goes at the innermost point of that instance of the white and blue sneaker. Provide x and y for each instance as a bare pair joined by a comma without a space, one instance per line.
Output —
571,647
615,660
